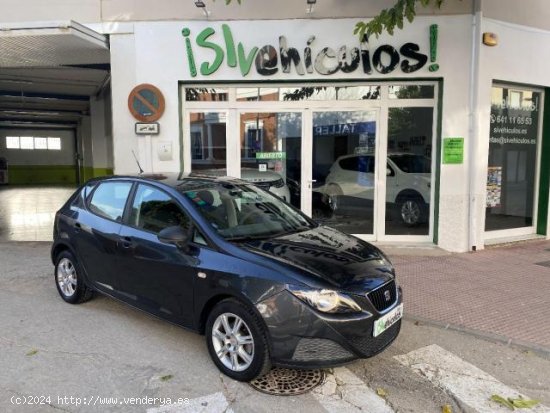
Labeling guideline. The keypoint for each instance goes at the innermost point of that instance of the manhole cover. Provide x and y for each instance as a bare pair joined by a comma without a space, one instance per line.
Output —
288,382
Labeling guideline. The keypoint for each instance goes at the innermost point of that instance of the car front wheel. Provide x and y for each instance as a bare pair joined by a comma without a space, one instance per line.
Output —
237,341
68,279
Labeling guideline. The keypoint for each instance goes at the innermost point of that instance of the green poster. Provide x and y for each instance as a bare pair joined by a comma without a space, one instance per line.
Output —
453,150
270,155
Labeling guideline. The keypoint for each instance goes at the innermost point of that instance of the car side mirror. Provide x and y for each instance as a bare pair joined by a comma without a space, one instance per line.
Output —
175,235
388,172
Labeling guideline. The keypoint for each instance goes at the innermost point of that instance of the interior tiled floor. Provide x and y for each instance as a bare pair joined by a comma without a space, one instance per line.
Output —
27,212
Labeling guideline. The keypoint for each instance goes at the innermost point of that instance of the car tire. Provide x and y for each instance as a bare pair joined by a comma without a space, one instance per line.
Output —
240,361
411,210
69,281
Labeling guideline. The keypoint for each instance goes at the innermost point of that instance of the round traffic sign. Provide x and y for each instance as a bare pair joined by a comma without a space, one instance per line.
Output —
146,103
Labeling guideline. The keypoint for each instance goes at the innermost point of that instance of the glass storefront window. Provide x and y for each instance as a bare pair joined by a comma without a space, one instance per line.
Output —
512,166
409,171
257,94
271,147
208,140
330,93
205,94
344,159
411,92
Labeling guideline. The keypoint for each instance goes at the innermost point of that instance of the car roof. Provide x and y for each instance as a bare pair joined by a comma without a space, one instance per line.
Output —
182,181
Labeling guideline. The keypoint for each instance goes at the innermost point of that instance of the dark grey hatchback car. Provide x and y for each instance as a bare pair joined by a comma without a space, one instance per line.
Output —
263,282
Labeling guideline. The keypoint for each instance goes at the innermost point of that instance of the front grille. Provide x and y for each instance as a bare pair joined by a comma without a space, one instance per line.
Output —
383,297
369,346
264,185
279,183
319,349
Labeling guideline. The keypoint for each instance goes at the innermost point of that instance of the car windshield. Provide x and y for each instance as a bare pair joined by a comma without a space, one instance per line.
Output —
413,164
240,211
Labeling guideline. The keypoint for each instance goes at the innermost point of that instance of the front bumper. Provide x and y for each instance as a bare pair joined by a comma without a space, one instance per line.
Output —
303,337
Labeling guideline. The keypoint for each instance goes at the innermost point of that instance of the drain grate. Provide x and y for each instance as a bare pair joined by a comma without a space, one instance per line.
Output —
288,382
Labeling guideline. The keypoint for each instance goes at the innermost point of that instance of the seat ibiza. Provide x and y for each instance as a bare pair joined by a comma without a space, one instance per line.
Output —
264,283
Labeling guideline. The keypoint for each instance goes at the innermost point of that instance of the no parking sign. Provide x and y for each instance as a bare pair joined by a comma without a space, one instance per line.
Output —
146,103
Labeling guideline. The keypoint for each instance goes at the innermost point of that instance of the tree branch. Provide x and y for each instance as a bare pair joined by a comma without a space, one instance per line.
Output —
389,19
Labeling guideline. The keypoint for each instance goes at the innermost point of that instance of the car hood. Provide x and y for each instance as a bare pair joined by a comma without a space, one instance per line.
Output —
328,256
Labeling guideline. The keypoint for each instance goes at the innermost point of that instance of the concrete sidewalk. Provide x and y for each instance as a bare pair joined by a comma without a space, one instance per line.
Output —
501,292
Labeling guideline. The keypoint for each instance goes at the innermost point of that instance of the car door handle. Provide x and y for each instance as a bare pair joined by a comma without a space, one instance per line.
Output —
126,242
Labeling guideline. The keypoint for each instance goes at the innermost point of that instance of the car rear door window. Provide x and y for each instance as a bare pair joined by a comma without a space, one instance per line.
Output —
109,199
153,210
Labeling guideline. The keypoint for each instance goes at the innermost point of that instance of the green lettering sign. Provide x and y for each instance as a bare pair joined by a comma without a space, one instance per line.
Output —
206,68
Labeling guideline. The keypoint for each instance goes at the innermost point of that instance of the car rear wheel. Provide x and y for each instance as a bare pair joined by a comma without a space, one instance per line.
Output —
68,280
237,341
410,211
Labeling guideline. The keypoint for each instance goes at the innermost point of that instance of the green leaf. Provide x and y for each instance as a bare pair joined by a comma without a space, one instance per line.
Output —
522,403
168,376
501,400
32,352
381,392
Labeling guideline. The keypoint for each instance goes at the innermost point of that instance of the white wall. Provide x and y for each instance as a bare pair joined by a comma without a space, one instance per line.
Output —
82,11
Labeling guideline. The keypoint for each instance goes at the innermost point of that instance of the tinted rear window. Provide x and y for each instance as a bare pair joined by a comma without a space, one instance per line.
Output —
109,199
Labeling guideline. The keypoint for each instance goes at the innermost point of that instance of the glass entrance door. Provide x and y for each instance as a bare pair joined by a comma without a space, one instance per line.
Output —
512,174
271,152
343,169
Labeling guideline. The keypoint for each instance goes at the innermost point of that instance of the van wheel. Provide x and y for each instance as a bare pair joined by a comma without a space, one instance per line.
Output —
237,341
410,211
68,279
334,193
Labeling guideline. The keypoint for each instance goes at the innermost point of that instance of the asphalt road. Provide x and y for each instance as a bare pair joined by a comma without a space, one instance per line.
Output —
105,351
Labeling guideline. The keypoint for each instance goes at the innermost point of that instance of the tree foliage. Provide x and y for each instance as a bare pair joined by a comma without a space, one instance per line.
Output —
393,17
388,19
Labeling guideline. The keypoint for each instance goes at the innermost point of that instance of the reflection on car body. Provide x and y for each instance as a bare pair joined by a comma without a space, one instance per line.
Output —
350,183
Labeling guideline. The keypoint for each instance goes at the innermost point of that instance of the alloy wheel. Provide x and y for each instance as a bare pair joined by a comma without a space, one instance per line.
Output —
233,342
66,277
410,212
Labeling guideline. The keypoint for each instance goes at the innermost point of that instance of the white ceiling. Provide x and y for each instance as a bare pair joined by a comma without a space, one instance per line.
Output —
49,70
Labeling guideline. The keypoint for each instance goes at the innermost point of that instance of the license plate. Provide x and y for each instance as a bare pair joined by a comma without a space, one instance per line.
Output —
385,322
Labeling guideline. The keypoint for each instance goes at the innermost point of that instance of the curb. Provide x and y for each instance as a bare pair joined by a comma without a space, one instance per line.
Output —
496,338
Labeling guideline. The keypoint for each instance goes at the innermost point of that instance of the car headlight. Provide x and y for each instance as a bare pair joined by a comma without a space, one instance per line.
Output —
326,301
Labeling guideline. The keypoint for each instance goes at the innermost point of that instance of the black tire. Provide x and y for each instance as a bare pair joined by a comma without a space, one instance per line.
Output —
261,362
411,210
80,291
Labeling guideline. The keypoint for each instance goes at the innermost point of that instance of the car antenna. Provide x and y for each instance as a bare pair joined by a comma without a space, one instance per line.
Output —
139,166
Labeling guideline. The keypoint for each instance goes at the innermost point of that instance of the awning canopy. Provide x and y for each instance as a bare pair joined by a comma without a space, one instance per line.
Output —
51,44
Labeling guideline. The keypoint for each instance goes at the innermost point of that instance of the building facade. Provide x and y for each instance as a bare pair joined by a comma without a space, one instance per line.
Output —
432,135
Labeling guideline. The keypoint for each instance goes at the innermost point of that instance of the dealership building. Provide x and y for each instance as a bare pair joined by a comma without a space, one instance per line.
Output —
436,135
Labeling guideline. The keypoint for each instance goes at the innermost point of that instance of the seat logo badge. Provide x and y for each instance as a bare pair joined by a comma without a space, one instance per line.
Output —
201,274
387,295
